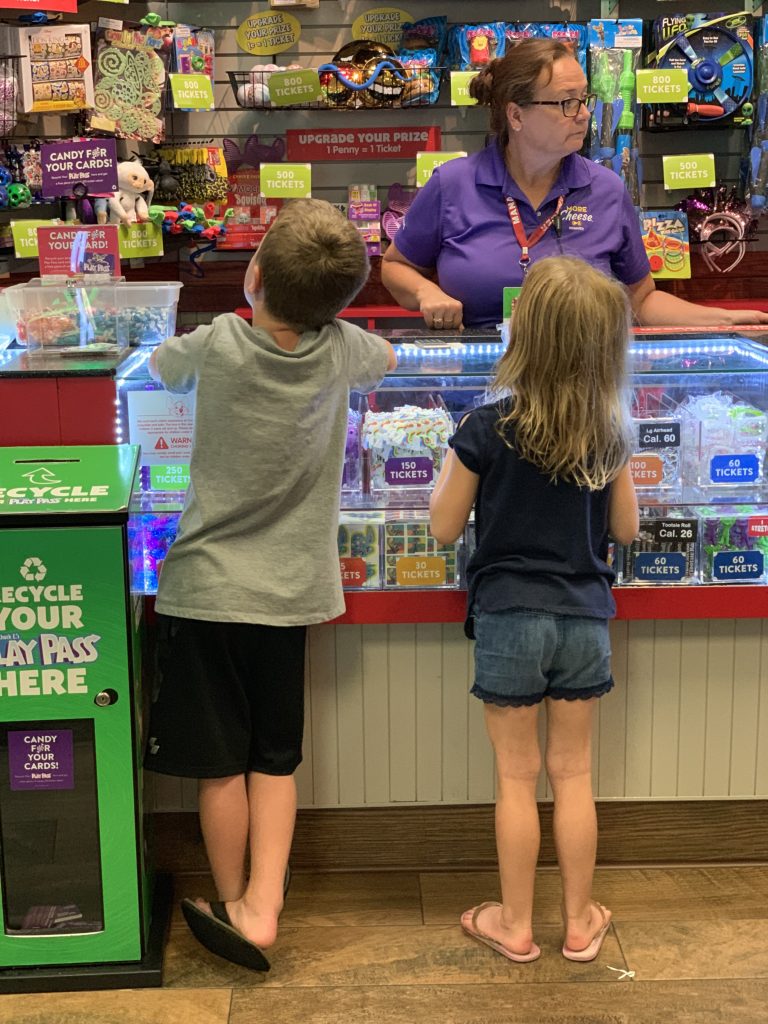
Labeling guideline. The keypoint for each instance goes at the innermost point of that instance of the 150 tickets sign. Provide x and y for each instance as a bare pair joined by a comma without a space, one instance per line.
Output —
360,143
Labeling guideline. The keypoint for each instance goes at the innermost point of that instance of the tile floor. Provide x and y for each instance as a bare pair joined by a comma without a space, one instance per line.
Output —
385,948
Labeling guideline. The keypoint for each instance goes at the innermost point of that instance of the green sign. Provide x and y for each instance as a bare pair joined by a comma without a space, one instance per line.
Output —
137,240
662,86
689,170
25,235
460,89
300,86
91,478
169,478
192,92
285,181
511,295
426,163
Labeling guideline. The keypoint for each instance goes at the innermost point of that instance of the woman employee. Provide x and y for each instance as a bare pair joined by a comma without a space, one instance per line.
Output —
480,220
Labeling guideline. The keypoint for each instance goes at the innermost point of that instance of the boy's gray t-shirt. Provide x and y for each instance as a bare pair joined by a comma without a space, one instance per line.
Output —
257,540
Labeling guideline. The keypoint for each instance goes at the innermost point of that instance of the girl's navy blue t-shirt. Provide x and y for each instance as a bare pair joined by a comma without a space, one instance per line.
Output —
540,545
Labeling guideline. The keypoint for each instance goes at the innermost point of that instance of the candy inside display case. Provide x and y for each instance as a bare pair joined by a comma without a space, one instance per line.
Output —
699,403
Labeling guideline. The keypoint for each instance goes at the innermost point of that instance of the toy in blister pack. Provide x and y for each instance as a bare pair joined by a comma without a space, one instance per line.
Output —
475,46
193,51
571,34
426,34
665,237
758,162
422,86
614,57
515,31
716,52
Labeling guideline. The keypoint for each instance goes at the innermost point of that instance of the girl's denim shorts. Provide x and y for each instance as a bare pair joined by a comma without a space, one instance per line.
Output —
522,656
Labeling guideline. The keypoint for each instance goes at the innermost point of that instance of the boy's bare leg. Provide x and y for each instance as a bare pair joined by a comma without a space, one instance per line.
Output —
272,803
514,736
223,806
569,767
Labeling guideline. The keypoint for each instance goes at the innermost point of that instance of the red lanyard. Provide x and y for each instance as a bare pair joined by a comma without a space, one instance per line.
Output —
525,242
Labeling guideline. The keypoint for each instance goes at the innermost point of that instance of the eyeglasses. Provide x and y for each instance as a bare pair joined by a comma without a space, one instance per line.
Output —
569,107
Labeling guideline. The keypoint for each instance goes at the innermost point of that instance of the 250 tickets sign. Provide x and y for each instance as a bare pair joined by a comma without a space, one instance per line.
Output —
359,143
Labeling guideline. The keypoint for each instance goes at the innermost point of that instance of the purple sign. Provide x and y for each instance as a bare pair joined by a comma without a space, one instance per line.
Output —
88,162
41,759
416,472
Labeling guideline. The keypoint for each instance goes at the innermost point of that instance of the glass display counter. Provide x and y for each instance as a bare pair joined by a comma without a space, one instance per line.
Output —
699,403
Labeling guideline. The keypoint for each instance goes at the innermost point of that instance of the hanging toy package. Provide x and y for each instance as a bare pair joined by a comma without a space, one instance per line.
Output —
473,47
614,56
717,54
130,72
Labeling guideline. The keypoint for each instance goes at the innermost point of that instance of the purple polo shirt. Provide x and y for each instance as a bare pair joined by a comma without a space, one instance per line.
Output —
459,224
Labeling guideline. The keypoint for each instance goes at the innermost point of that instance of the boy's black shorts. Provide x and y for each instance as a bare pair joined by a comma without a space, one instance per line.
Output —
230,699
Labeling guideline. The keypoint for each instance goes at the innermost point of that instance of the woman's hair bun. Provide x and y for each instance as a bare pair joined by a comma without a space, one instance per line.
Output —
481,86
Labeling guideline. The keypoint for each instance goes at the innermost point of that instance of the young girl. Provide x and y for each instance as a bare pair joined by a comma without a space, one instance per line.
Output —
547,470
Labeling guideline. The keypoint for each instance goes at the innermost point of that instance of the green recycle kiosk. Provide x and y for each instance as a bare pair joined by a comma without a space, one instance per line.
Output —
80,905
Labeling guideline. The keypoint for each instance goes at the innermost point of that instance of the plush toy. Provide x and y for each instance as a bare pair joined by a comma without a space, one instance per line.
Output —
129,206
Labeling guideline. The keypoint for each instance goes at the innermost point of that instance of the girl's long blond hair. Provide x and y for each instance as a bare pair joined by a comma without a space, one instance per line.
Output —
565,367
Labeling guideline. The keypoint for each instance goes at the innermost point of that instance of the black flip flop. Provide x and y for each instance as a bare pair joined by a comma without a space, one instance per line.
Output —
216,932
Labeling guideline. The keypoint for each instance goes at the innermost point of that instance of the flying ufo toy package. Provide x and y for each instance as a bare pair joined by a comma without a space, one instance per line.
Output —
717,53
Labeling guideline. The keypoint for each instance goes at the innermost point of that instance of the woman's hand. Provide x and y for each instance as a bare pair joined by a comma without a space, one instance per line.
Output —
440,311
744,316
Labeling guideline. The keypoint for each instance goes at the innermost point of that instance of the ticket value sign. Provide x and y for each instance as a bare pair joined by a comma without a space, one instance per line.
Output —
138,240
285,181
736,566
88,162
420,571
688,170
25,236
669,85
360,143
427,163
734,469
75,250
192,92
289,87
269,32
65,6
41,759
460,89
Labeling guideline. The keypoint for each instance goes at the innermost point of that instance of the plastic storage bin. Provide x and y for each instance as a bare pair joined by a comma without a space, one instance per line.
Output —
734,544
66,317
664,551
359,540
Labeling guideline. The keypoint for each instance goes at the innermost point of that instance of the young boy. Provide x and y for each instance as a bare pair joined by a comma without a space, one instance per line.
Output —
256,561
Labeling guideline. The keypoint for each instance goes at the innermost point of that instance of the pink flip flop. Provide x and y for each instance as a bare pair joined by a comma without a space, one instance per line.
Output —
474,932
591,951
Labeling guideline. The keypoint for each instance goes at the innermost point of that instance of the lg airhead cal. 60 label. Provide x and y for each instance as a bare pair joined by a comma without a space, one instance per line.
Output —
664,552
655,464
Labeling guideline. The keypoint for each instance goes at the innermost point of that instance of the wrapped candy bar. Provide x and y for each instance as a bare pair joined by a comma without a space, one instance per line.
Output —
406,445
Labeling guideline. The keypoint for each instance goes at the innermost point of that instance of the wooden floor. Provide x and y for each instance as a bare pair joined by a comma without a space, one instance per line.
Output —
386,948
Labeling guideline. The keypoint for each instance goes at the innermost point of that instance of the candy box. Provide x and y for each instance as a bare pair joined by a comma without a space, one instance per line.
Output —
406,446
359,540
412,556
663,552
723,443
734,544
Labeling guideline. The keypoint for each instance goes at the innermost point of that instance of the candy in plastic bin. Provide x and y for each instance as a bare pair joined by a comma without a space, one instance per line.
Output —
406,445
734,544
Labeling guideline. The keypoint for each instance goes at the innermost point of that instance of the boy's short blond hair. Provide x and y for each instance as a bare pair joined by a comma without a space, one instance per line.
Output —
313,262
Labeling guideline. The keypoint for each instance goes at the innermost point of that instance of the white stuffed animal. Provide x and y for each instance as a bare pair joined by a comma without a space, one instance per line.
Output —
128,205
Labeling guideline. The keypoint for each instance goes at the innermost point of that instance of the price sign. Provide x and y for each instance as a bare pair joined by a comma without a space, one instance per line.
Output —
734,469
382,24
460,89
137,240
286,181
733,566
169,478
269,32
192,92
690,169
25,236
668,86
288,87
426,163
416,472
420,571
663,568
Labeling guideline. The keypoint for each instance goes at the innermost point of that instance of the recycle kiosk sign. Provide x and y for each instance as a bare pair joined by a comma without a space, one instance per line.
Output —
76,893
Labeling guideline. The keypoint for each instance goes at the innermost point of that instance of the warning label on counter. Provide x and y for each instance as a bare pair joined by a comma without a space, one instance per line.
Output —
162,424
